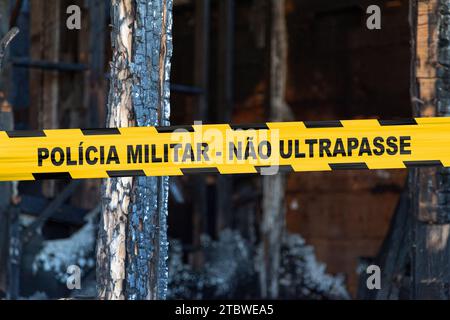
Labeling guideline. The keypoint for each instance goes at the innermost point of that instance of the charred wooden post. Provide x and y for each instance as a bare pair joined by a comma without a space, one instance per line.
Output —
132,245
273,220
45,44
97,30
151,92
8,224
430,187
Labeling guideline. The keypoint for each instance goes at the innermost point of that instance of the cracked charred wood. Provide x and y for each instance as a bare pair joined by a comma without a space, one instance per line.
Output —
132,244
430,187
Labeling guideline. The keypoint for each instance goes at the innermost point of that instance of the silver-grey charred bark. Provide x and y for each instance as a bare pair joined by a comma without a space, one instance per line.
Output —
132,244
147,245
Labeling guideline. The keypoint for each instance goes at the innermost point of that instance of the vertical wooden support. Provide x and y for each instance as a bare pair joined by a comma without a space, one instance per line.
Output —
147,254
273,220
92,53
97,33
132,245
6,123
430,187
45,44
111,247
225,103
45,29
73,86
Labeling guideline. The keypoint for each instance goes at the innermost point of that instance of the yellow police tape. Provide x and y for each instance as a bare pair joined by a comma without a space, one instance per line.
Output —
225,149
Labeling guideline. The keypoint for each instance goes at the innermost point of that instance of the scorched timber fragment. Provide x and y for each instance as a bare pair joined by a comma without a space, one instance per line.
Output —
132,245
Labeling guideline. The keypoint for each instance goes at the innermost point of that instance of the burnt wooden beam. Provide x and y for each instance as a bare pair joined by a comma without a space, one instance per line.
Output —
272,225
116,194
96,80
430,188
45,45
132,247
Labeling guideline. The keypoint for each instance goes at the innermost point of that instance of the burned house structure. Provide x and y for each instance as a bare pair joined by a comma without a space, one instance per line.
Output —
308,235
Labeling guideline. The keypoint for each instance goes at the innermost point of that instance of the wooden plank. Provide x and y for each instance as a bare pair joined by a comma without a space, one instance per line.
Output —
97,39
340,216
45,30
45,40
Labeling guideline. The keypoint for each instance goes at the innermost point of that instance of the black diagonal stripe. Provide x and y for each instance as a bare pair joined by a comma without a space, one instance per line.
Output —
415,164
259,126
323,124
349,166
52,176
26,134
172,129
187,171
100,132
283,169
125,173
398,122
